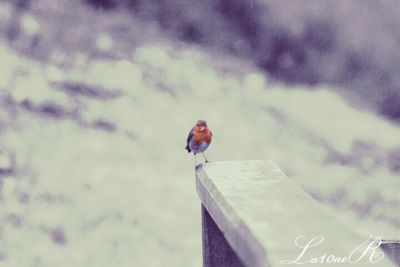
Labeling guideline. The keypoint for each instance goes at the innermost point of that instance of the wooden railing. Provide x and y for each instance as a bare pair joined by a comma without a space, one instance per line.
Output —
253,215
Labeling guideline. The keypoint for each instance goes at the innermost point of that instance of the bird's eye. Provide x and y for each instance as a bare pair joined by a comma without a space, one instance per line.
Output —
198,125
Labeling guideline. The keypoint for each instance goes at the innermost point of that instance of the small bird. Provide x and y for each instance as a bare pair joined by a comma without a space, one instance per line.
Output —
199,139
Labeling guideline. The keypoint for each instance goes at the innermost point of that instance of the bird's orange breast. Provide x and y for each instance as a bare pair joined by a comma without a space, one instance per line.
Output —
203,136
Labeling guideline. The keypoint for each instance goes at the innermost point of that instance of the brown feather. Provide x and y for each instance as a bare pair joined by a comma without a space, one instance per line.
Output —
201,136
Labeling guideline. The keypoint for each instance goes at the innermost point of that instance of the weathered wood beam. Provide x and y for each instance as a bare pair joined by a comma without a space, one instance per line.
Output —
259,212
392,249
216,250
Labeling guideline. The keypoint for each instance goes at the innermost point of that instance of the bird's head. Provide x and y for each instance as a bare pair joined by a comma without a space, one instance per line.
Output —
201,125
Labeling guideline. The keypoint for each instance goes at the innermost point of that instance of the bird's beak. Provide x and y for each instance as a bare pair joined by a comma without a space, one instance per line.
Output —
202,128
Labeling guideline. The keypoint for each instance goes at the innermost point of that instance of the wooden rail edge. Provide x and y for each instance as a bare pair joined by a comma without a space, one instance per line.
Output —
253,214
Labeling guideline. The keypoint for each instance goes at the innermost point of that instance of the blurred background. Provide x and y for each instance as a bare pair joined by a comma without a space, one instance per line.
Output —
97,98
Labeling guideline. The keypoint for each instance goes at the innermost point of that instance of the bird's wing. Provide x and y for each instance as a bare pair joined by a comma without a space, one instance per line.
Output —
188,140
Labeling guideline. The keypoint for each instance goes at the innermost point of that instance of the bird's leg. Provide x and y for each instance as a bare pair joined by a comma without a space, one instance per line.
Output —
204,155
195,162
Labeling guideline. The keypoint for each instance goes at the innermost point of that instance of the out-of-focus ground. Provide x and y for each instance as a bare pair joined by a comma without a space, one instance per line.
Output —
95,107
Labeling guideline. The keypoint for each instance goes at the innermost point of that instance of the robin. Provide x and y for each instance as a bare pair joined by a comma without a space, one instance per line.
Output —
199,139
